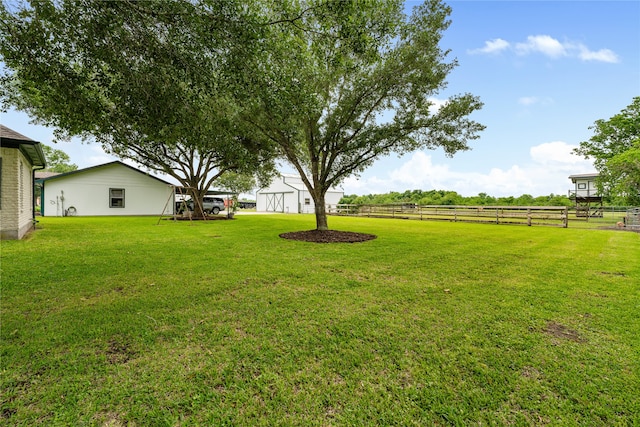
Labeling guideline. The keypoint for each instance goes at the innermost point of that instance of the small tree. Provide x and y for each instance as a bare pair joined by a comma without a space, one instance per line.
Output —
615,150
237,183
57,160
354,81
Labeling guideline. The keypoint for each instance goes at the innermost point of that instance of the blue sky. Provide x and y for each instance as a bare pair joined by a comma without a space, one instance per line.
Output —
545,70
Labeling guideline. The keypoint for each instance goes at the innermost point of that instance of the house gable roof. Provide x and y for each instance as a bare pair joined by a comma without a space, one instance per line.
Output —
30,148
295,182
587,176
10,134
116,162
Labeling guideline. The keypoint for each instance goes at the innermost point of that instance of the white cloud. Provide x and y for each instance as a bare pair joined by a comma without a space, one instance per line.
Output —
602,55
546,172
492,47
420,171
527,100
548,46
558,154
543,44
533,100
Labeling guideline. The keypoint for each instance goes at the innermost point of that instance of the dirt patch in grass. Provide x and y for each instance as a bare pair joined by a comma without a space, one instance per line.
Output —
328,236
119,351
558,330
613,273
110,419
530,372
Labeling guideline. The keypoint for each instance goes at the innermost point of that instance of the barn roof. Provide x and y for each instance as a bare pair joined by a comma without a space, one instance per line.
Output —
116,162
295,181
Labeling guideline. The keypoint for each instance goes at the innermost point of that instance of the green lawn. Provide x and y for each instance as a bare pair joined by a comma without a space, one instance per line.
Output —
122,322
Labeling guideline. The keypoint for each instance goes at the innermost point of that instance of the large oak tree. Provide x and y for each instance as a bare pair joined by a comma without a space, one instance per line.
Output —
143,78
349,82
332,85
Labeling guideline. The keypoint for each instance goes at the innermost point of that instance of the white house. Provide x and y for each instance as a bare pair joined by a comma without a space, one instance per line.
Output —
288,194
585,186
110,189
585,193
19,158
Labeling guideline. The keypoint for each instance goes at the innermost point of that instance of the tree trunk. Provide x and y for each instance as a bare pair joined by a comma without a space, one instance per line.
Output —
197,197
321,213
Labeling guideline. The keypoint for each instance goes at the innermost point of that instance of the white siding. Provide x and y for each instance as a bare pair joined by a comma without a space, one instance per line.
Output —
586,188
288,194
88,192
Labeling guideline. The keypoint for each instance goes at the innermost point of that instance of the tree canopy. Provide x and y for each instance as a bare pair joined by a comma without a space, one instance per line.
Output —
142,78
615,150
354,81
196,89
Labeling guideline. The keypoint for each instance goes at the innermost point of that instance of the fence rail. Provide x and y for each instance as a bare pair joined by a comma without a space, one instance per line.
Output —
556,216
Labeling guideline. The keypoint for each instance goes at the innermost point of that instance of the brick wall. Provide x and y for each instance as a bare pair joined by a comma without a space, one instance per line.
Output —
16,215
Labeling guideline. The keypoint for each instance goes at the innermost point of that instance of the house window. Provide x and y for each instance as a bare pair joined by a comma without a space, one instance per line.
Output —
582,186
307,201
116,197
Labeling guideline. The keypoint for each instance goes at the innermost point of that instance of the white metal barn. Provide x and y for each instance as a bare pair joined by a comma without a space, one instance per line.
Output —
111,189
288,194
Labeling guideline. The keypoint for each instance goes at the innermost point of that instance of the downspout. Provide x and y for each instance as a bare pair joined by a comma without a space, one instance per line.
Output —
33,190
42,200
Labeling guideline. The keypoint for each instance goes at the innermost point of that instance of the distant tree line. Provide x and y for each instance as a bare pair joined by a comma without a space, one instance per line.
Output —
441,197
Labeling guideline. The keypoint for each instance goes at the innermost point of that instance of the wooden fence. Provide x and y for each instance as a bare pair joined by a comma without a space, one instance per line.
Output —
556,216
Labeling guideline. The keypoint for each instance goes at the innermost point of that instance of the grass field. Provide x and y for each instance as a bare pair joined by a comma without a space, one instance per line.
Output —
122,322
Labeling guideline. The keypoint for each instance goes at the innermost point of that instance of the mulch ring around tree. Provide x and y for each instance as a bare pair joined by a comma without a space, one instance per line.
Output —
199,218
328,236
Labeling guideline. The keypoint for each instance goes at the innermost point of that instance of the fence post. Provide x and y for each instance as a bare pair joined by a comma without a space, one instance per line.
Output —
565,221
529,217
